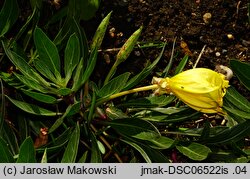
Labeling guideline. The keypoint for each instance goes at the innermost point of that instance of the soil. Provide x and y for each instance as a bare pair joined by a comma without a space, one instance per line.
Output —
224,31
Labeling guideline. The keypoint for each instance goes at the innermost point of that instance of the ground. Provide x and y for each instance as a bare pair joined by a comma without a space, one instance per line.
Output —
225,34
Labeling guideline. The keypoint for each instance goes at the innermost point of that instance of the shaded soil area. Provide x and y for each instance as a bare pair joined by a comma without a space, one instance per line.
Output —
222,26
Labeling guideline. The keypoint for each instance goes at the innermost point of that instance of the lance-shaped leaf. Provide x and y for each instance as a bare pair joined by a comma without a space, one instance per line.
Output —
32,109
194,151
27,152
242,71
6,156
8,15
71,56
100,32
41,97
23,66
71,150
114,86
48,55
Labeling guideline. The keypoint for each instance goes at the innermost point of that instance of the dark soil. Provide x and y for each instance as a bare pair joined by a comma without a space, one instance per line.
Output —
226,35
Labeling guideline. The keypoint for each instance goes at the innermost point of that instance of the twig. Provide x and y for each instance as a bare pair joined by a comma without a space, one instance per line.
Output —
199,57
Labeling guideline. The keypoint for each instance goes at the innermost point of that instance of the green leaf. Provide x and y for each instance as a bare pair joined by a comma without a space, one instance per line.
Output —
8,134
151,101
30,83
6,156
95,152
145,72
242,71
2,106
230,135
243,114
136,128
139,149
90,67
81,75
8,15
71,110
194,151
84,48
71,56
114,86
181,65
236,100
41,97
77,75
83,159
99,34
155,155
182,115
27,152
44,157
32,109
161,142
23,66
71,150
64,32
101,147
48,53
115,113
88,8
57,144
43,68
64,91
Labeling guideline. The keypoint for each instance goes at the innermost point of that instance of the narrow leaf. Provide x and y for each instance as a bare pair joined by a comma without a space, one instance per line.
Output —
32,109
6,156
114,86
136,128
243,114
71,150
88,8
95,152
139,149
27,152
44,157
161,142
48,52
41,97
100,32
71,56
2,106
230,135
181,65
44,69
71,110
8,15
194,151
242,71
23,66
145,72
237,100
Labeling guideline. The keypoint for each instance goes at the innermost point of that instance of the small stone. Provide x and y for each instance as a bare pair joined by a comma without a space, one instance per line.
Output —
230,36
217,54
207,18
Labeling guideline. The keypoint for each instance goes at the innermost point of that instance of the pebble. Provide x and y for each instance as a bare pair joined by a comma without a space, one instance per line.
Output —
217,54
207,17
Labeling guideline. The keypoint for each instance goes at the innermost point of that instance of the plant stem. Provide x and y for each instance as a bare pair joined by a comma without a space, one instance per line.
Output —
135,90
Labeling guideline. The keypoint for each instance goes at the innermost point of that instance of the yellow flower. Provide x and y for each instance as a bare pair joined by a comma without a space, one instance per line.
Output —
200,88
